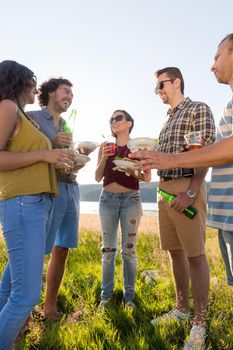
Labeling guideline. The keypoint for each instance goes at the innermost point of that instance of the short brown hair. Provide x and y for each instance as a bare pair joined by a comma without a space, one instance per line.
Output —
173,73
229,38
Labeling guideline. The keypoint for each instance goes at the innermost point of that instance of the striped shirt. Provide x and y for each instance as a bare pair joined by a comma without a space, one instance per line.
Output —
220,199
186,117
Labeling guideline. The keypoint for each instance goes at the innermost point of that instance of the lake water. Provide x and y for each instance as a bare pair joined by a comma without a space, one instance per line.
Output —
93,208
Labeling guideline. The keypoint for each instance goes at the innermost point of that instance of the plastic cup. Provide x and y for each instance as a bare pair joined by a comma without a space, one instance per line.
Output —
112,146
193,140
66,166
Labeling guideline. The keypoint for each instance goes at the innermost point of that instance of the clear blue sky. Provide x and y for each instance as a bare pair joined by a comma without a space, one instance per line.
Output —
110,50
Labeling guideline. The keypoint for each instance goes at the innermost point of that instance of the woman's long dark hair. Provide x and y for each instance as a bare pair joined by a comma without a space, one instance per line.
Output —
14,79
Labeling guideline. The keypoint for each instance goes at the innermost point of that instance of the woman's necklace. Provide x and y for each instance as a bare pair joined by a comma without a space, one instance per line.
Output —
121,151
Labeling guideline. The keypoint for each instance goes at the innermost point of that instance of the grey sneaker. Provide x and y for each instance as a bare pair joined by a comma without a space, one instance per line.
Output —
130,305
104,303
196,339
173,315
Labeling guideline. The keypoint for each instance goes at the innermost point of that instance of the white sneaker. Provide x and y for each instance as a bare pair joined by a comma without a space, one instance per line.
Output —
130,305
173,315
104,303
196,340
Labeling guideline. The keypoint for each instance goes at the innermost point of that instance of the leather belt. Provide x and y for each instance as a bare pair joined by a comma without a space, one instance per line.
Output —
67,180
168,178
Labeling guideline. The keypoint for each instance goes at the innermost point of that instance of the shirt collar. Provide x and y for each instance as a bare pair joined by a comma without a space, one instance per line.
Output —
49,115
180,106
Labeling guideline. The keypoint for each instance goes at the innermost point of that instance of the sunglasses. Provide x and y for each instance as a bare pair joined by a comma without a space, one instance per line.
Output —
116,118
34,79
160,85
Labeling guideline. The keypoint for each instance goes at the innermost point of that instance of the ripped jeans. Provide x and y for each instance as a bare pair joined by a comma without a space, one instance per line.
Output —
123,207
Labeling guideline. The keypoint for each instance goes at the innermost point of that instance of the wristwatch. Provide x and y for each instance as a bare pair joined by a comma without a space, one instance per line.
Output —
191,194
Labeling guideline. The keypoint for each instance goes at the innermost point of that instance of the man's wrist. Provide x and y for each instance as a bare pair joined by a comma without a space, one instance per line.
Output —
191,194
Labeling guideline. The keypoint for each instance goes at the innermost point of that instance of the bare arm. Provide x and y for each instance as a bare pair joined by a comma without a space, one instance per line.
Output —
217,154
102,159
198,179
14,160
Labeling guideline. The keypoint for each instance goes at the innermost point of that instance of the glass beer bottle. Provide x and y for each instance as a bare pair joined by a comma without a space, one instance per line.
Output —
69,125
190,212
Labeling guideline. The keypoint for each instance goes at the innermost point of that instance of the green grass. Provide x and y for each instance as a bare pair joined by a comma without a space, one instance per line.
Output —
85,327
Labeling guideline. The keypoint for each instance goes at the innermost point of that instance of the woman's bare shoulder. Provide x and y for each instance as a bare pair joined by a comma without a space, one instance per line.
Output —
8,104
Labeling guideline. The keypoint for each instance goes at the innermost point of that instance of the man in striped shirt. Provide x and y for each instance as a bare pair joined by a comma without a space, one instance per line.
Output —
220,209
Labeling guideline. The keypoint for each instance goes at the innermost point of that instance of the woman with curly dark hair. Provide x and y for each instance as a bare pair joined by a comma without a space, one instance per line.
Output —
27,185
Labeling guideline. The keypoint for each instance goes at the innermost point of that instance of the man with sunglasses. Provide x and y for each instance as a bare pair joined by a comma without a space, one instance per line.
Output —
219,155
183,237
55,97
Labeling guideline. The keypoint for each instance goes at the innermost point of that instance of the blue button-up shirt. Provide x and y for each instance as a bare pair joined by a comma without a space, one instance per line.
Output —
46,122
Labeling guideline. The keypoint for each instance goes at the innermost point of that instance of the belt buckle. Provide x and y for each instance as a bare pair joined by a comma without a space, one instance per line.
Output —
164,179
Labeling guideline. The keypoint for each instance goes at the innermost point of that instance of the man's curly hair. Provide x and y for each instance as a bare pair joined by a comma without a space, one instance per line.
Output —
14,79
50,85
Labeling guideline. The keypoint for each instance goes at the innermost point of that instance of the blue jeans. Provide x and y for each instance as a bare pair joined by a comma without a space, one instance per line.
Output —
123,207
64,227
226,246
25,221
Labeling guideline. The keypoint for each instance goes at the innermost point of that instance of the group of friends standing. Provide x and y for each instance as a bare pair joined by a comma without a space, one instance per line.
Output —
45,200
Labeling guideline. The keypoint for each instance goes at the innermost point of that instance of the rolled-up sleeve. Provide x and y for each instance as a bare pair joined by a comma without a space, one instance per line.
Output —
204,122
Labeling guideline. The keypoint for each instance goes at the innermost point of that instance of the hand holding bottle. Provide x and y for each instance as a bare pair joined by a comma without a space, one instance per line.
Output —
63,139
190,212
181,201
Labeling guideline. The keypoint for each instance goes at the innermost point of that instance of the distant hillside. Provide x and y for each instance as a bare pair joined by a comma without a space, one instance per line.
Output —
91,193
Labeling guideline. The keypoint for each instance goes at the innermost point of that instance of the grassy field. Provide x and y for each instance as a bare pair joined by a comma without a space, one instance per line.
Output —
85,327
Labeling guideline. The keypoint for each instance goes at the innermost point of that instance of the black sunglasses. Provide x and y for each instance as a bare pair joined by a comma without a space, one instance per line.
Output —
34,79
116,118
160,85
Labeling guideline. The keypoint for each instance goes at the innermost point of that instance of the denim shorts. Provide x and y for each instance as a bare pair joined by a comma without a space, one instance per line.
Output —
64,227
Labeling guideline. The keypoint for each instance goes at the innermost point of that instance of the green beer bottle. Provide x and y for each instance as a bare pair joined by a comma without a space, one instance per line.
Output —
69,125
190,212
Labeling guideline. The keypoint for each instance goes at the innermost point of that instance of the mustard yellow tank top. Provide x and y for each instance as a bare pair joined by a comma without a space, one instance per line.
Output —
33,179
